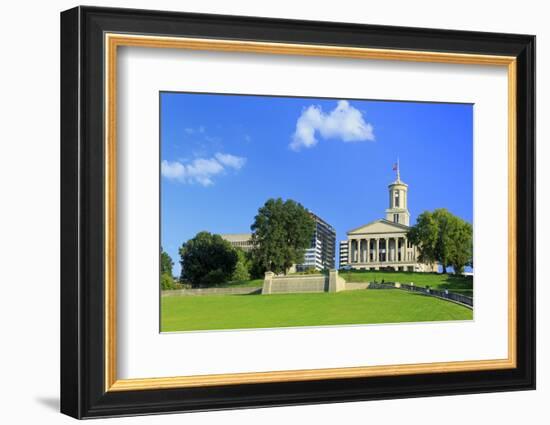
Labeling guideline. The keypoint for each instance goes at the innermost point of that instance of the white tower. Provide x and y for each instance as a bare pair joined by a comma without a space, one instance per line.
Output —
398,211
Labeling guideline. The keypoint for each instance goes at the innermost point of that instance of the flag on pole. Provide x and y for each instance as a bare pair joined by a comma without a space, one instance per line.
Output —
394,168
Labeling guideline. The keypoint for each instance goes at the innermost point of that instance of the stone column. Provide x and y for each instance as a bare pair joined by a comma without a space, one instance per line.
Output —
376,250
268,282
335,283
405,253
398,251
359,251
367,259
387,241
349,251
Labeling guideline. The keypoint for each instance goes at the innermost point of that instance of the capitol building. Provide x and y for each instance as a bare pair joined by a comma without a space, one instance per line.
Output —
382,244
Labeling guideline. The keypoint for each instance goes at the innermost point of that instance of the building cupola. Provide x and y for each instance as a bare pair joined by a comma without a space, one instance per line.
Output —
398,211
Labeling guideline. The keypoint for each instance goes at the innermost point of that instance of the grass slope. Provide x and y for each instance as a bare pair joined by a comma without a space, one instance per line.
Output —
459,284
270,311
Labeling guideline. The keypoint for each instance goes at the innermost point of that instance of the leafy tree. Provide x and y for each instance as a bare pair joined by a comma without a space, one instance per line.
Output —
242,268
166,263
167,282
425,235
444,238
207,260
282,231
166,279
255,268
461,246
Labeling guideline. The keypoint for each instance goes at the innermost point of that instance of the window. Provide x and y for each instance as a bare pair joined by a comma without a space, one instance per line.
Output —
396,199
396,218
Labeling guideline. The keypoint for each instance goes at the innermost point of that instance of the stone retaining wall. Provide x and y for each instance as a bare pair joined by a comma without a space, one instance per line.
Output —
290,284
213,291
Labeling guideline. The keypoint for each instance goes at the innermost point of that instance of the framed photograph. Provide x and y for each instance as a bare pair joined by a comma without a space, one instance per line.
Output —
262,212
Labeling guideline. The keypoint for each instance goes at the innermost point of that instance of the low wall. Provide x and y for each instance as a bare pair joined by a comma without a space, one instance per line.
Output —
352,286
212,291
302,283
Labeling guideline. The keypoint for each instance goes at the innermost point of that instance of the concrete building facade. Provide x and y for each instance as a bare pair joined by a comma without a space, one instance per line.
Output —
322,252
239,240
383,244
343,257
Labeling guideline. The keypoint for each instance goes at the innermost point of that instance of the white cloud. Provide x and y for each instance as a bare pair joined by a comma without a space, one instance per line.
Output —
229,160
344,122
172,170
201,170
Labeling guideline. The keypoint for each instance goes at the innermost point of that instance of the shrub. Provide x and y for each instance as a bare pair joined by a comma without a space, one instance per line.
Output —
242,267
167,282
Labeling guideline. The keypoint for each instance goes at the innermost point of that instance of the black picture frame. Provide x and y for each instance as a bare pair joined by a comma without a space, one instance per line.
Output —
82,212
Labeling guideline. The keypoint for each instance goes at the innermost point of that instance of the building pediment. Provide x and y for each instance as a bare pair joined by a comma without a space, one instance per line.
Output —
379,226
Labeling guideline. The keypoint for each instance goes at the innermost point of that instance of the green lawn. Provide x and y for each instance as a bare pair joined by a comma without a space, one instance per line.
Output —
189,313
459,284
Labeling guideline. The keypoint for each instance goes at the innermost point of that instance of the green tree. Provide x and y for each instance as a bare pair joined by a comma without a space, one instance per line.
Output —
242,267
166,263
424,235
167,282
207,260
461,246
166,278
255,268
444,238
282,231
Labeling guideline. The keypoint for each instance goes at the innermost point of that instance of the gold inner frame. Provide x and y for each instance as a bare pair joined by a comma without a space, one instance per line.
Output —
113,41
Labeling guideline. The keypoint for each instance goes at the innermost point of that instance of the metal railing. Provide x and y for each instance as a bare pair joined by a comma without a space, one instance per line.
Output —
445,294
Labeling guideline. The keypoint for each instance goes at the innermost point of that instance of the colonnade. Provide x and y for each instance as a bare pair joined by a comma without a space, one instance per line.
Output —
392,249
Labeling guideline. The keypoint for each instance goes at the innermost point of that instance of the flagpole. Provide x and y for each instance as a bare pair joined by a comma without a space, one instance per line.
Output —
398,176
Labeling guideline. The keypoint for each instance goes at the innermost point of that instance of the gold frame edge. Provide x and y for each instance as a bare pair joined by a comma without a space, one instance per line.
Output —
113,41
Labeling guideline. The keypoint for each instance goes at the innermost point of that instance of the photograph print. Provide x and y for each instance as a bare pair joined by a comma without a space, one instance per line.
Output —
281,212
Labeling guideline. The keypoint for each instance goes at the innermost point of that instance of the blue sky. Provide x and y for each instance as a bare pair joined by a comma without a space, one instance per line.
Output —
223,156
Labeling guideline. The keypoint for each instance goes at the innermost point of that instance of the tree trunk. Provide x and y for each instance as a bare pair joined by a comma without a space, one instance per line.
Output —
444,266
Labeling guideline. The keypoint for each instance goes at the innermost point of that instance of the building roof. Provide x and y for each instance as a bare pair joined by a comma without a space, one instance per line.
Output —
320,220
398,183
379,226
